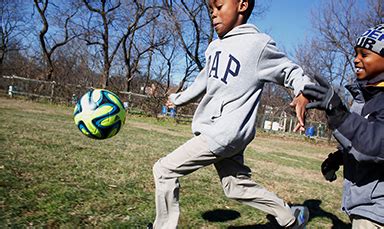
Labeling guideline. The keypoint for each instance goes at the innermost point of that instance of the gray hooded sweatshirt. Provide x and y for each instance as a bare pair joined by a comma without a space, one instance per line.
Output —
237,66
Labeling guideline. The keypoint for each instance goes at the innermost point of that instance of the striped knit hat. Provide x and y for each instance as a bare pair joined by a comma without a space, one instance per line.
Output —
372,39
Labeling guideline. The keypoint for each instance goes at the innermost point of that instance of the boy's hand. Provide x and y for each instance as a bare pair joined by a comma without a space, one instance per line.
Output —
299,102
324,97
331,165
170,104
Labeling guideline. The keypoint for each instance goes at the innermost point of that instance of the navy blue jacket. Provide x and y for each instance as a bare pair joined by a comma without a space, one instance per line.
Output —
361,136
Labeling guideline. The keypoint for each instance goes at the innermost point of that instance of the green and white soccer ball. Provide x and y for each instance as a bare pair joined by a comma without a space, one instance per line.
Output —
99,114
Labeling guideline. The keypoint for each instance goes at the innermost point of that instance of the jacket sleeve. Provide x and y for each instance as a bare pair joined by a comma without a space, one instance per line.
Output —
363,138
195,90
274,66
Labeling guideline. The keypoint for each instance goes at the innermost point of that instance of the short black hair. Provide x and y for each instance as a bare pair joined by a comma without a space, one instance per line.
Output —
248,12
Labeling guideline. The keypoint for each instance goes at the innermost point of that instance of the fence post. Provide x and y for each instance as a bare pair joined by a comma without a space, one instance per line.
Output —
11,87
10,90
52,89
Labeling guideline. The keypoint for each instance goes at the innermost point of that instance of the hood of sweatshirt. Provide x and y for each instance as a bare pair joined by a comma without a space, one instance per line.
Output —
242,29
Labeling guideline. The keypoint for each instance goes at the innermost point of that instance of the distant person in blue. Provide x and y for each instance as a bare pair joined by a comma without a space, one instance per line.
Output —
310,131
360,132
168,109
238,64
171,108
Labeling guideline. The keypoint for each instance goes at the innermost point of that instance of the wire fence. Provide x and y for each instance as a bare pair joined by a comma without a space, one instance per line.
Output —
146,105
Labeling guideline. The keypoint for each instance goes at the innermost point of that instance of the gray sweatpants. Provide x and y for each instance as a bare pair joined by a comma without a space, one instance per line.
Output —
234,176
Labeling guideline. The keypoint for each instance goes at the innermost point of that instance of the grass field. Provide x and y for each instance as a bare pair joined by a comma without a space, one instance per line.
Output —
53,176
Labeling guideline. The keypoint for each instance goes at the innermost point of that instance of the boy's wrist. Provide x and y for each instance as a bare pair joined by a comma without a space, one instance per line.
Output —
337,116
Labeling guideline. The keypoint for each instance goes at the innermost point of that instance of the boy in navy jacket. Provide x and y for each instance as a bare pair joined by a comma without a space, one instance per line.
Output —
359,131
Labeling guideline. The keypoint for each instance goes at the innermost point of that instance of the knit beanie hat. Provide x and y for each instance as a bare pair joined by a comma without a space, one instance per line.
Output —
372,39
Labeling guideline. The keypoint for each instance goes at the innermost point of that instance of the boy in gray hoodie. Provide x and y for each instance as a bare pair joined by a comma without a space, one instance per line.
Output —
238,64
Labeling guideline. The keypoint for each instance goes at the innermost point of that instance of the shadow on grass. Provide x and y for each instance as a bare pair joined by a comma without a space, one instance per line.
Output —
220,215
316,211
223,215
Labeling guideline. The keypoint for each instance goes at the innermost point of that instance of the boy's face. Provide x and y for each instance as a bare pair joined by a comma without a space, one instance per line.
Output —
225,15
368,64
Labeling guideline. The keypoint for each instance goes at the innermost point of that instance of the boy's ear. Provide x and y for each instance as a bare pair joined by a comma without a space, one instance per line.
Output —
243,6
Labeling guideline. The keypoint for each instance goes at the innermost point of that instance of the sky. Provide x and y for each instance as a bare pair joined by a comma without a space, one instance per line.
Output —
287,21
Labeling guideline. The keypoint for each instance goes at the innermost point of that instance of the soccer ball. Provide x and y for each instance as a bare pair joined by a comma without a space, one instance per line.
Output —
99,114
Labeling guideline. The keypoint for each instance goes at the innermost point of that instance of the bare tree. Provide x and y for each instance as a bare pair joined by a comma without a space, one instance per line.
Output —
98,32
337,25
72,65
191,22
49,43
330,52
374,14
140,16
12,22
168,55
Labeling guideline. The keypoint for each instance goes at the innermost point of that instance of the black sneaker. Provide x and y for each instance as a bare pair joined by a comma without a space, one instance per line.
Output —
149,226
302,215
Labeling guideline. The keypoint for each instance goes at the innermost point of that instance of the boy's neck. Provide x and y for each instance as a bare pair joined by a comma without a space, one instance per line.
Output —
377,80
235,28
